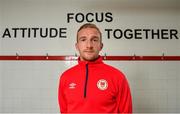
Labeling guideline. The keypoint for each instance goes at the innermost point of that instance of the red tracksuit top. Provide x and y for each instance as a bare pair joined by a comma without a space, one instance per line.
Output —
94,87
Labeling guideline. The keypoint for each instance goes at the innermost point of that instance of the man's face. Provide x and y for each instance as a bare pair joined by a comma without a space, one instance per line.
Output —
88,44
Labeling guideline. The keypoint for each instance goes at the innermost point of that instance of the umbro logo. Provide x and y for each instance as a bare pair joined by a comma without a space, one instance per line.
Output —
72,85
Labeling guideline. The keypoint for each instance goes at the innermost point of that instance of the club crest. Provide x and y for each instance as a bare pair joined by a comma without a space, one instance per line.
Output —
102,84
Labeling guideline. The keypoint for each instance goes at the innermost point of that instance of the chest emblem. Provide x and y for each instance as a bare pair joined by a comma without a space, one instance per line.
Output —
102,84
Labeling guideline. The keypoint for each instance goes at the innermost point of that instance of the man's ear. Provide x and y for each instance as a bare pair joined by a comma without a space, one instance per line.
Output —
76,45
101,46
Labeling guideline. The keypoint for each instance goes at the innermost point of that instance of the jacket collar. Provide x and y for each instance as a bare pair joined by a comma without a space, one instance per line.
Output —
97,61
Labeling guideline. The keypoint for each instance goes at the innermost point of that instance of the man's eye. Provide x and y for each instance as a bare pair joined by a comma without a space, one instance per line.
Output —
95,40
82,39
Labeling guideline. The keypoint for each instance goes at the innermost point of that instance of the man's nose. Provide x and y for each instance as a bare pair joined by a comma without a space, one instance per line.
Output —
89,44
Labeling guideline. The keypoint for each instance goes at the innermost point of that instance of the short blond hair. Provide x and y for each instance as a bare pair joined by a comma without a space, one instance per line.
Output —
89,25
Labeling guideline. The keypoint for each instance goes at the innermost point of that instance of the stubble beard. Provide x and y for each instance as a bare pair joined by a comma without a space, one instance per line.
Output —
89,57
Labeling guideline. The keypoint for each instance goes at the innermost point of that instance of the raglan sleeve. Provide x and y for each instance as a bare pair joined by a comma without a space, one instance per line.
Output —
61,96
124,97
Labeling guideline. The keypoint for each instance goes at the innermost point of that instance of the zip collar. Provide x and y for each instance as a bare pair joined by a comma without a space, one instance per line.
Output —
86,64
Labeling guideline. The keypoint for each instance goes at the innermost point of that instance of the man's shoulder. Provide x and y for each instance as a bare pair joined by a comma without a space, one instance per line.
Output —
70,70
110,67
68,73
113,70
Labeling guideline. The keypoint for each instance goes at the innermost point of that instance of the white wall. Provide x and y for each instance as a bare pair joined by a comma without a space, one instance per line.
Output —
131,14
31,86
155,85
1,88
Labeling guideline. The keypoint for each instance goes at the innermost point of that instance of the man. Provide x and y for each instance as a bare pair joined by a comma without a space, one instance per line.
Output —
93,86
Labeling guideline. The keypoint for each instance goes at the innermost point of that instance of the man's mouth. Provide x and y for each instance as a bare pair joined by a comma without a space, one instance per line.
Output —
89,51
